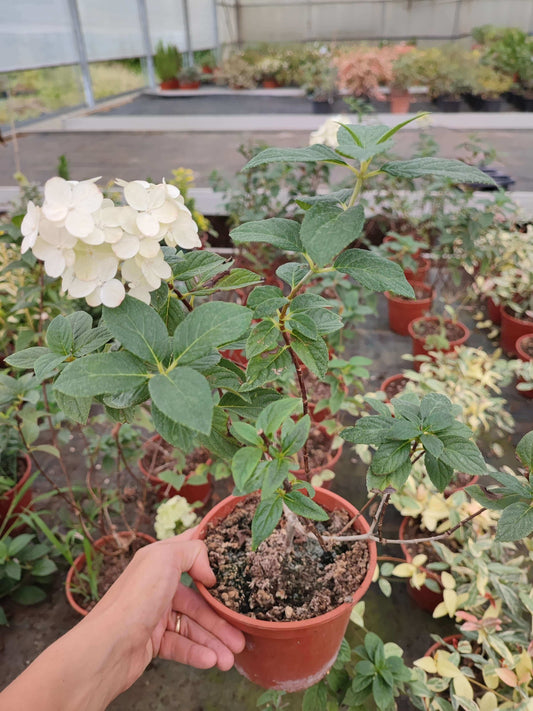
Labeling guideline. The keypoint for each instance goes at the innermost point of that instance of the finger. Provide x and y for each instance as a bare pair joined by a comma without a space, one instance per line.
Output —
194,632
180,649
190,603
191,557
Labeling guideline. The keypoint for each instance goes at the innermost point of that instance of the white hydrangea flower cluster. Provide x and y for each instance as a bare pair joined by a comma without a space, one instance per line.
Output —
87,240
327,133
174,516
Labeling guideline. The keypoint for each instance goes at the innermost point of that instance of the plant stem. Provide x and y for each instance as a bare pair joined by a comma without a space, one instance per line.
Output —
181,298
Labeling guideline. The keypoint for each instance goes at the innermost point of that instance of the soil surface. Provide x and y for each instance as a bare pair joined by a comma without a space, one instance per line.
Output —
160,456
514,314
396,387
110,564
316,389
319,448
276,583
430,328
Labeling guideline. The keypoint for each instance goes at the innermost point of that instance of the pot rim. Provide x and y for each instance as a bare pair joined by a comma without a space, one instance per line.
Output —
252,624
518,345
23,479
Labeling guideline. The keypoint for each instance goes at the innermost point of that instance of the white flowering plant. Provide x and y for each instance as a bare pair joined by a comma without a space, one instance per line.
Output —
165,325
174,516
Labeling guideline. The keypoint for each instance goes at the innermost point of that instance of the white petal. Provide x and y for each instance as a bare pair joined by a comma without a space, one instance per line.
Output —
30,223
27,243
149,248
148,224
136,196
57,191
55,234
86,196
110,216
131,271
161,268
97,236
55,265
112,235
55,213
95,297
157,195
79,223
113,293
151,276
166,213
140,292
79,289
127,247
172,191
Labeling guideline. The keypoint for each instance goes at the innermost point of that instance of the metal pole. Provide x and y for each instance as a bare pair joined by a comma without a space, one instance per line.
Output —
190,56
82,52
215,30
147,42
238,21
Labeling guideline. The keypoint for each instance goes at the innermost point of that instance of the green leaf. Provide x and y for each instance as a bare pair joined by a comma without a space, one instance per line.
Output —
243,466
171,310
76,408
395,129
59,336
43,568
184,396
463,455
172,432
263,337
46,365
432,444
263,293
390,456
309,154
265,520
338,197
304,325
209,326
246,433
374,272
274,474
362,142
169,477
25,360
101,374
281,233
439,472
516,522
493,501
403,430
273,416
434,403
513,484
18,543
314,355
368,430
328,229
13,571
81,323
47,449
90,341
382,693
315,698
3,618
237,279
454,170
262,369
139,329
292,273
304,506
202,265
28,595
294,435
250,404
524,450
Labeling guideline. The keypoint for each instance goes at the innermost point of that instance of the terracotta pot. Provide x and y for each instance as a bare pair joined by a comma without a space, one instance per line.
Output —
493,310
290,655
333,458
403,311
24,502
452,639
419,343
389,381
399,100
189,84
425,598
191,492
207,70
523,355
79,564
270,84
421,273
512,329
170,84
237,356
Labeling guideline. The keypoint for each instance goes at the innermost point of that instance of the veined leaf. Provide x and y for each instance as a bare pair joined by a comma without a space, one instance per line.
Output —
184,396
327,229
279,232
101,374
454,170
309,154
374,272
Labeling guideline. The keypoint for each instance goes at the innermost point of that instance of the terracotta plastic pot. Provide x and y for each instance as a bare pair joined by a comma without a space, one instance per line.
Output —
493,311
512,329
523,355
425,598
452,639
290,655
399,100
236,356
333,458
421,273
389,381
79,564
270,84
170,84
403,311
419,342
191,492
189,84
6,500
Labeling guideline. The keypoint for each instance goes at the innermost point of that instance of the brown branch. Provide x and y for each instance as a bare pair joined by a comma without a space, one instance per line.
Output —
360,513
182,298
303,392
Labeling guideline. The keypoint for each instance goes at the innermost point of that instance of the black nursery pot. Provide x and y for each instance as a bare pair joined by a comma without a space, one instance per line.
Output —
321,107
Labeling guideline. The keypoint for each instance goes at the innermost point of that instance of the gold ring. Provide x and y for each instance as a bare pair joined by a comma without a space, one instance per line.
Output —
178,623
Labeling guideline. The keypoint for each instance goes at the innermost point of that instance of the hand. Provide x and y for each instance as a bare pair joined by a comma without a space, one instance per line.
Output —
148,597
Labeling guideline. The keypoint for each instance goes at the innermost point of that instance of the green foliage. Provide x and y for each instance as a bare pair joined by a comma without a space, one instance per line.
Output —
167,61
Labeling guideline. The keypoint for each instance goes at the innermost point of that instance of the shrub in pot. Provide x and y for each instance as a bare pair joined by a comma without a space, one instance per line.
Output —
189,78
236,72
406,73
524,369
487,88
435,333
166,345
167,62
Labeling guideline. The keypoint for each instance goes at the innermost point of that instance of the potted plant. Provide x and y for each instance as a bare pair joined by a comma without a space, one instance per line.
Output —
406,250
406,73
524,367
436,333
269,69
319,85
402,310
15,472
236,72
488,86
159,346
167,62
448,75
363,71
513,288
189,78
206,59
